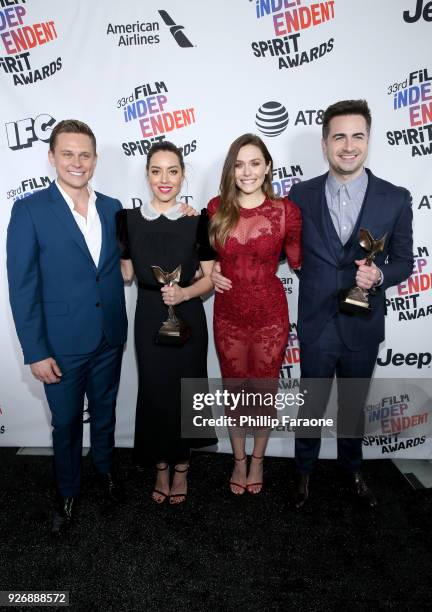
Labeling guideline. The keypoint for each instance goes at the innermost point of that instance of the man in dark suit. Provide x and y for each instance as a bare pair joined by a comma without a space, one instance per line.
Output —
333,342
67,299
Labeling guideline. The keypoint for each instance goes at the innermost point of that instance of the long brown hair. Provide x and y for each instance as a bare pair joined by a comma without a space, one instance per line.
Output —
228,213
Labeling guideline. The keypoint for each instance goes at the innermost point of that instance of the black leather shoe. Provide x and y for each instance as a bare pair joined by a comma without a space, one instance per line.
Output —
62,517
111,488
361,491
301,493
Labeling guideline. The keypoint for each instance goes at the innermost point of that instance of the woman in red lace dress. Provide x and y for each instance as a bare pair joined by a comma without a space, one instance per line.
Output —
249,228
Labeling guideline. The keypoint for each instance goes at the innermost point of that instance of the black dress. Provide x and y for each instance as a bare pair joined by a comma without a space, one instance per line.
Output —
166,243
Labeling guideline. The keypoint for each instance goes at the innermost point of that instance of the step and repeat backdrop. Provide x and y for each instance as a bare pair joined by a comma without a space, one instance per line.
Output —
200,74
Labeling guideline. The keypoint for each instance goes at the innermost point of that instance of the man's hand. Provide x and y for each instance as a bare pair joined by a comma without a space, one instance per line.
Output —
367,276
188,211
47,371
221,283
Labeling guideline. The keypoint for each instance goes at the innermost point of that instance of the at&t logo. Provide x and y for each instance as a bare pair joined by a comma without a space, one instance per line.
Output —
272,118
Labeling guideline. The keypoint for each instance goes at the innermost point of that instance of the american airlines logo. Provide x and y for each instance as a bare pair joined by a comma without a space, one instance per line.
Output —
176,30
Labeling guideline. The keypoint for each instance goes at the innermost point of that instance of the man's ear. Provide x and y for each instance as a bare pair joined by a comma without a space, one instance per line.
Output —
324,147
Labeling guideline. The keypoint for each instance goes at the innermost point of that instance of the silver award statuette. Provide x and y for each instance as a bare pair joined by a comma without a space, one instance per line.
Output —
174,332
356,300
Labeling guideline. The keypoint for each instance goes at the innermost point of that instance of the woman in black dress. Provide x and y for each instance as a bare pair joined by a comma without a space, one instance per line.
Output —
157,234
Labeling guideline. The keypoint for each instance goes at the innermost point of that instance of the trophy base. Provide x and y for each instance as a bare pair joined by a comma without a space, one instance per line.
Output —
173,336
353,304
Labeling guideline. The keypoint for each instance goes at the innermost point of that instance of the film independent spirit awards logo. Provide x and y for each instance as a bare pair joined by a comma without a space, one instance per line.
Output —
20,34
288,26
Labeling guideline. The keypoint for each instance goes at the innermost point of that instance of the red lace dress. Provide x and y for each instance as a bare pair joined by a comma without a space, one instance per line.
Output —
251,320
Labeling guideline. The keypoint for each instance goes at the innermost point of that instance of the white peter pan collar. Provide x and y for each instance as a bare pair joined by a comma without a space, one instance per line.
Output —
151,214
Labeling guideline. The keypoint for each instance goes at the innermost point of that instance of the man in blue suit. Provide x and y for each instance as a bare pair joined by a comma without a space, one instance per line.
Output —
67,299
333,342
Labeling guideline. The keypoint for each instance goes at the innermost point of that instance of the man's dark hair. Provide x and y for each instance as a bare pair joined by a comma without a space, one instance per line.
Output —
71,126
346,107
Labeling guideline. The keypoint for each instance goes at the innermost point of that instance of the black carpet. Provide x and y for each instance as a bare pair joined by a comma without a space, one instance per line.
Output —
217,551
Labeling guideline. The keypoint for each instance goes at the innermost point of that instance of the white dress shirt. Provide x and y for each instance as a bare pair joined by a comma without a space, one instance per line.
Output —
91,226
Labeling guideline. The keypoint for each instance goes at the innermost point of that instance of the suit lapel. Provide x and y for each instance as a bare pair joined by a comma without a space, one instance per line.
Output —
317,211
65,216
370,210
104,228
367,217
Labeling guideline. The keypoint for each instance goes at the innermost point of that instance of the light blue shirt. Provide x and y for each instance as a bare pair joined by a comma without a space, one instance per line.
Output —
344,201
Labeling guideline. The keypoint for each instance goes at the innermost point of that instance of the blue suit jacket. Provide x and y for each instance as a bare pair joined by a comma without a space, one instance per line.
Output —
386,208
61,302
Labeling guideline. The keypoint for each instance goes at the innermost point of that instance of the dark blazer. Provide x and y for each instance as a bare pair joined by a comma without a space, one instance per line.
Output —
326,270
61,302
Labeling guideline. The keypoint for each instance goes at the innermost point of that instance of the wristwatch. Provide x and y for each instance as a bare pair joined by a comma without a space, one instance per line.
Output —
380,278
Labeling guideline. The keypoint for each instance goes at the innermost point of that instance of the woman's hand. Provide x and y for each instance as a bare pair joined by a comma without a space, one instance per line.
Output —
173,295
127,270
221,283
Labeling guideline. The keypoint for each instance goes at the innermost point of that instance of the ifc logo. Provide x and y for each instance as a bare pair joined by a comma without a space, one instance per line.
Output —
271,118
